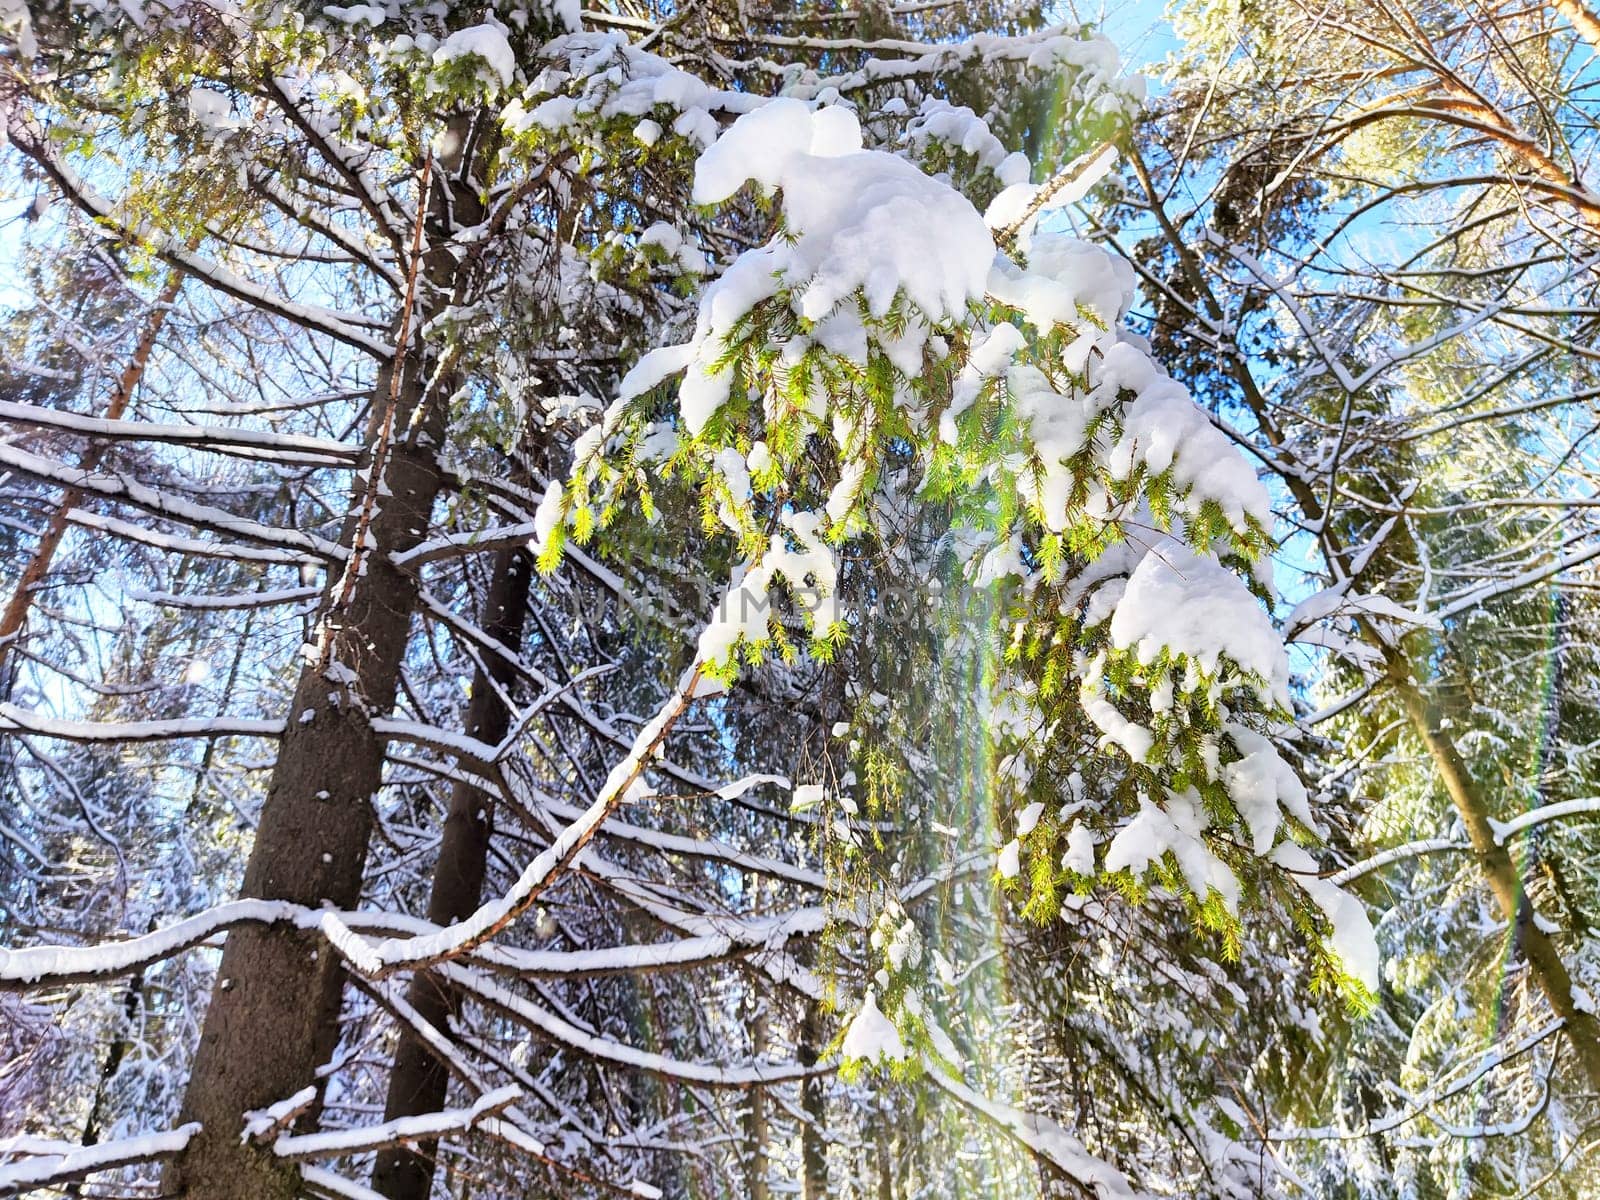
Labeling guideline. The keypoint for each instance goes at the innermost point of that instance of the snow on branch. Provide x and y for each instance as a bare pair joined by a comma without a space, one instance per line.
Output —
608,1050
1044,1138
323,1182
15,719
1538,816
236,600
113,485
1394,854
395,953
715,938
264,1124
88,964
332,1142
1420,1106
67,1162
343,327
242,443
173,544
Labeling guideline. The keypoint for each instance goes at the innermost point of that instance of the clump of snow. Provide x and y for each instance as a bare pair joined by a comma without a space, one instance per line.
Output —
1351,938
807,795
1079,854
601,75
1134,739
872,1037
1009,861
1179,827
213,112
1178,601
487,43
959,128
356,14
857,220
1011,208
1028,818
670,241
811,571
1261,785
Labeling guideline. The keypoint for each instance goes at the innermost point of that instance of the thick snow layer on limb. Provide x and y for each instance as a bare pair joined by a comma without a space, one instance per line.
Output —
78,963
856,221
1179,827
487,43
320,1180
1181,602
328,1143
872,1037
264,1123
74,1162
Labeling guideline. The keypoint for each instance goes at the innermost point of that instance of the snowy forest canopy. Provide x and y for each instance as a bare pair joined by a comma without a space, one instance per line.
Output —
732,600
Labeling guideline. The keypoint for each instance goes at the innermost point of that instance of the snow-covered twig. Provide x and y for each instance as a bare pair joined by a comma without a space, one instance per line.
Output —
328,1143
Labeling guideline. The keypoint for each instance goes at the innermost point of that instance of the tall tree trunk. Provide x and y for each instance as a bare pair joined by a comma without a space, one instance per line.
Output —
1502,874
885,1155
813,1133
132,1002
419,1080
756,1186
274,1014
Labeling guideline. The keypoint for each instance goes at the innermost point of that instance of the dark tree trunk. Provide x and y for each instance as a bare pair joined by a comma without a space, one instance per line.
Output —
813,1133
274,1014
419,1080
132,1002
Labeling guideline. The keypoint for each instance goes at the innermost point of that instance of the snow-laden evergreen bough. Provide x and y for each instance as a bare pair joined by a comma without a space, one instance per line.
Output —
878,353
942,516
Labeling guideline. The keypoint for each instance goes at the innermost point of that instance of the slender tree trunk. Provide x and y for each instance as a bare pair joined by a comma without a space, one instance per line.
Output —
756,1186
132,1001
419,1080
885,1156
33,574
1500,870
813,1144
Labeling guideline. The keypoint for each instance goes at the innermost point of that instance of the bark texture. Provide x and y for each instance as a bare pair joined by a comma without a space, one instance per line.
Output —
419,1080
274,1015
813,1102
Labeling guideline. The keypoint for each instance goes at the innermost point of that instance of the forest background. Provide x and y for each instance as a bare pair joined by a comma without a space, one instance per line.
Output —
736,600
